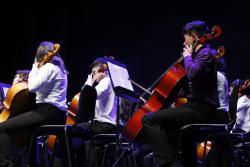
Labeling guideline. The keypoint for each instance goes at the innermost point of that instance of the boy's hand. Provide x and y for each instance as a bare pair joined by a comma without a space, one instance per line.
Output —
187,50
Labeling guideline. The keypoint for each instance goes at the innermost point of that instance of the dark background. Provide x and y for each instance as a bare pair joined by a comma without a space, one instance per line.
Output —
143,35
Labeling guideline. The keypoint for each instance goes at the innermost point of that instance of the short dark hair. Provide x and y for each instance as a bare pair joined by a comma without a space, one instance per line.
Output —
97,62
22,73
196,27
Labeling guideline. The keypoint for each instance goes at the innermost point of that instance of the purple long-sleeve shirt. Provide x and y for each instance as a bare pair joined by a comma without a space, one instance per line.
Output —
201,71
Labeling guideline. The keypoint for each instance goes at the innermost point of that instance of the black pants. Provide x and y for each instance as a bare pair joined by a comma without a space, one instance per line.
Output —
139,156
160,124
43,114
97,128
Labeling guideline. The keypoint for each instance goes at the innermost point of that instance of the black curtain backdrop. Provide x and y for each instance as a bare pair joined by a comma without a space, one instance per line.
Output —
144,35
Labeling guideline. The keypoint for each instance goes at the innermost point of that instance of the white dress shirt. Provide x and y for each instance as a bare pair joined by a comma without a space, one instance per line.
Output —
50,84
105,109
222,91
243,113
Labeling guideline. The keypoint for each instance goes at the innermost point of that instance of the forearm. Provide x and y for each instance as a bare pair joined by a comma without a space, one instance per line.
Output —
193,69
37,78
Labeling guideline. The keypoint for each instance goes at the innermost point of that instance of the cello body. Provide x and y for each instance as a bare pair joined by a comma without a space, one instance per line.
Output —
16,101
200,149
164,94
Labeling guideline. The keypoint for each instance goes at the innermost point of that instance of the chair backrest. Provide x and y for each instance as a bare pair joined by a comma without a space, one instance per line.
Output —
86,104
233,104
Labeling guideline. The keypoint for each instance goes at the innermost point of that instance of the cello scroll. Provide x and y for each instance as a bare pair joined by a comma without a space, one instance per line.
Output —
216,31
47,58
221,51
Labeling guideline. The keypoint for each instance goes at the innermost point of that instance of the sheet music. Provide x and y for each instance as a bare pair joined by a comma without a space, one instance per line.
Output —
120,76
5,90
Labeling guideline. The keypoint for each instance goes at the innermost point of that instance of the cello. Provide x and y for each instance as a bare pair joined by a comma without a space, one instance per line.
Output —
17,102
164,92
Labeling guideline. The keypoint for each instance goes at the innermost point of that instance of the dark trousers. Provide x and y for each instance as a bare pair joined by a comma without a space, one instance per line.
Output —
159,126
140,153
84,153
43,114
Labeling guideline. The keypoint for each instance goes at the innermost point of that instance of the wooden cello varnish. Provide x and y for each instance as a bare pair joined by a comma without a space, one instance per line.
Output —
16,101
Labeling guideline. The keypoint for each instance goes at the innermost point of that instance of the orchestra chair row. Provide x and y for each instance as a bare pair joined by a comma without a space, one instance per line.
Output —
212,132
85,113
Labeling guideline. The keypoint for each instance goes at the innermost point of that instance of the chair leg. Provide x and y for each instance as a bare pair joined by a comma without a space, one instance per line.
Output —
45,155
67,146
120,156
89,153
94,154
30,148
132,148
104,158
204,154
235,161
51,159
124,159
237,155
52,155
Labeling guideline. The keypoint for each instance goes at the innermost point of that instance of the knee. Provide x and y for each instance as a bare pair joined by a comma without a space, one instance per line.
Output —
1,130
145,120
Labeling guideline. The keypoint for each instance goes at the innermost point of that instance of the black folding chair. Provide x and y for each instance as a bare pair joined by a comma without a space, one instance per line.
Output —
85,113
212,132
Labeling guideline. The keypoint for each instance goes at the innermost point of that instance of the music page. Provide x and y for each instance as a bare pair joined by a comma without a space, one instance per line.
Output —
5,90
119,76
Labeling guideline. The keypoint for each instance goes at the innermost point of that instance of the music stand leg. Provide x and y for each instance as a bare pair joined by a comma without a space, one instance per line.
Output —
117,128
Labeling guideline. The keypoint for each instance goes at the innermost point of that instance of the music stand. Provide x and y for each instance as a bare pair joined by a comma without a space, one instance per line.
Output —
122,87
